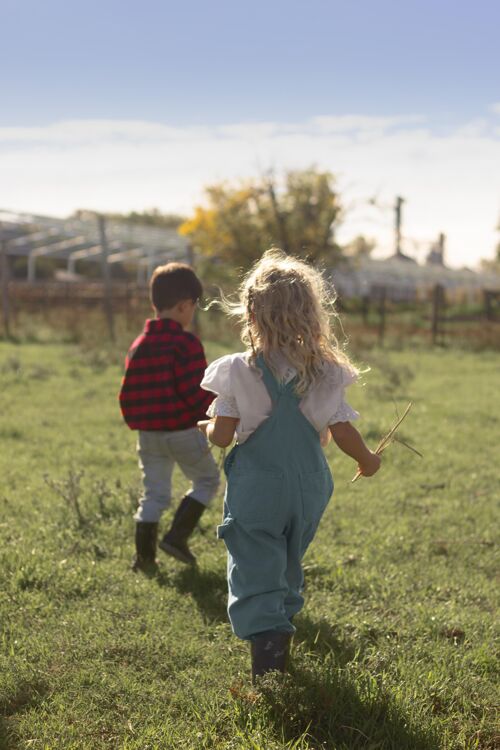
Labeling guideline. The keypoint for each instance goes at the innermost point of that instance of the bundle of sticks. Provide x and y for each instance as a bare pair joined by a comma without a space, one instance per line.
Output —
390,438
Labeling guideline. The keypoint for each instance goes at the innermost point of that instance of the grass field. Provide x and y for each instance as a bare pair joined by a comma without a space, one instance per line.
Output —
395,648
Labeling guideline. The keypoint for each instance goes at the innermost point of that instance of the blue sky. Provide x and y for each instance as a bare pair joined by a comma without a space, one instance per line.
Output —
198,62
119,106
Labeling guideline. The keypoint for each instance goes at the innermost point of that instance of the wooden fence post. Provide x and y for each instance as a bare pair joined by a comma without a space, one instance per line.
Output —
437,306
365,308
5,273
127,304
487,305
382,313
196,318
106,277
491,301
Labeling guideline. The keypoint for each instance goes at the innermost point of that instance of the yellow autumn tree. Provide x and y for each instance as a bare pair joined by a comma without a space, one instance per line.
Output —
239,222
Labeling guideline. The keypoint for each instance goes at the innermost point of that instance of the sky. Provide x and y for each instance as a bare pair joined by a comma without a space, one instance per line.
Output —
119,106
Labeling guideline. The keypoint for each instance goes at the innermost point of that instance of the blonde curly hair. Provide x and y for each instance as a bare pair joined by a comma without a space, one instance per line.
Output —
286,305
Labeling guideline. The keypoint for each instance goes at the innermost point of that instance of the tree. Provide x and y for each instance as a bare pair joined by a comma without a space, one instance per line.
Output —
298,214
152,217
493,264
359,248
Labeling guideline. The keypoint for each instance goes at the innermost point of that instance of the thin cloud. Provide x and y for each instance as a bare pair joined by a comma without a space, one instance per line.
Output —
356,123
450,182
74,132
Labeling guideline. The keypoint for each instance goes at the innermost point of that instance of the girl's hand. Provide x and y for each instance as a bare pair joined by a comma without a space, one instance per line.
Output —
203,424
370,465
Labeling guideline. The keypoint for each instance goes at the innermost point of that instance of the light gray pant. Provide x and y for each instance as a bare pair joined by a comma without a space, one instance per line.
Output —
158,453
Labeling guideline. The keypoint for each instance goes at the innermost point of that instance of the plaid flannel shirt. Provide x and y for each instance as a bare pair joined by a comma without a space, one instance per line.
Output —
161,385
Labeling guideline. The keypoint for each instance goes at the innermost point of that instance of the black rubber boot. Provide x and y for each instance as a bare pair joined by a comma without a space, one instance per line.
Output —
174,542
270,652
146,535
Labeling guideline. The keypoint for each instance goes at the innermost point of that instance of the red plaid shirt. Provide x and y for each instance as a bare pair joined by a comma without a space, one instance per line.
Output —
161,386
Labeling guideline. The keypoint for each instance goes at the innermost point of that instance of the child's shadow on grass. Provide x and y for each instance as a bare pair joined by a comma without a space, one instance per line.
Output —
330,704
331,709
27,696
319,637
207,587
6,740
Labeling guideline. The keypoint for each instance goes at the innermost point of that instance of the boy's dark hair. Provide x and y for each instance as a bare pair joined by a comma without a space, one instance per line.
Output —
173,283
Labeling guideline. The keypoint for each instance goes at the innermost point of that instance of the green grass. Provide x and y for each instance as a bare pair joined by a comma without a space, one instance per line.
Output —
395,648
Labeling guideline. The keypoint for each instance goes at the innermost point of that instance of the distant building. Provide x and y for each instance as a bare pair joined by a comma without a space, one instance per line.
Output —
407,282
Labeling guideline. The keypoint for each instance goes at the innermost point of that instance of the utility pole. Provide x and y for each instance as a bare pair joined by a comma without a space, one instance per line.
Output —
441,247
397,225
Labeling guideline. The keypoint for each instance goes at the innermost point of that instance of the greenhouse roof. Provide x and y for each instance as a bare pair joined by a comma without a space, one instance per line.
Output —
82,237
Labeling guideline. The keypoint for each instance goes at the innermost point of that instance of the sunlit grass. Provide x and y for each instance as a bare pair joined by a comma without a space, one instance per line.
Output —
396,645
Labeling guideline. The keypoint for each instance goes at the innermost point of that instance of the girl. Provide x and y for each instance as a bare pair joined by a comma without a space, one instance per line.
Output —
279,397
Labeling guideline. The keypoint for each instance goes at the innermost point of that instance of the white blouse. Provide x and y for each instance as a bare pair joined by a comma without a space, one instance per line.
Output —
241,394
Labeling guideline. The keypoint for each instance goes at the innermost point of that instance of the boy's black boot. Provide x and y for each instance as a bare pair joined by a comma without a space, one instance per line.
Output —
146,535
185,520
270,652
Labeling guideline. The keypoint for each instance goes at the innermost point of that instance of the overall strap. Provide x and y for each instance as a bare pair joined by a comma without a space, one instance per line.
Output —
274,388
272,385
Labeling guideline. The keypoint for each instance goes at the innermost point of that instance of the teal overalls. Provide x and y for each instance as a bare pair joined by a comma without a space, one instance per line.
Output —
278,485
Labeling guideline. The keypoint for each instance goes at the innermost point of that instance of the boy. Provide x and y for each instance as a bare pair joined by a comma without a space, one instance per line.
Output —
162,399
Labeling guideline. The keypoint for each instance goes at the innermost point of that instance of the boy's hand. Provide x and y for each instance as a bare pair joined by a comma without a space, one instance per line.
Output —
370,465
203,424
325,437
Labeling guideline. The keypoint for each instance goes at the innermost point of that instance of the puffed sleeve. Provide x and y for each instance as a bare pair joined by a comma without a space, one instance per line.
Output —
344,412
217,379
340,411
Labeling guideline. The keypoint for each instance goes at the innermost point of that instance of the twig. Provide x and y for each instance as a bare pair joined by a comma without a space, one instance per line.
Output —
385,441
407,445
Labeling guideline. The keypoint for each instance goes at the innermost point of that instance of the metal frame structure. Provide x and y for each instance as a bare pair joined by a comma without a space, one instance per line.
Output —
81,238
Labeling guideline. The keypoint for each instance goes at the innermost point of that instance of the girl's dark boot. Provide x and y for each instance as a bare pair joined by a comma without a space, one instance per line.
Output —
174,542
146,535
270,651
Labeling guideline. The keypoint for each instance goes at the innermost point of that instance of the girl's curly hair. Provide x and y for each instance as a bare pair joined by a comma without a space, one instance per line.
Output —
286,305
